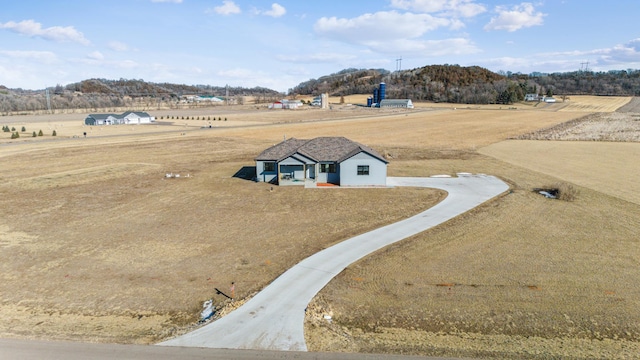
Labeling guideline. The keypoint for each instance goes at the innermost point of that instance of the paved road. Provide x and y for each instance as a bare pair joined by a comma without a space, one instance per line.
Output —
11,349
274,318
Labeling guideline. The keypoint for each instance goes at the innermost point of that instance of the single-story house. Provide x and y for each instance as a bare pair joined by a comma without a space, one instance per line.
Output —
322,160
396,103
129,117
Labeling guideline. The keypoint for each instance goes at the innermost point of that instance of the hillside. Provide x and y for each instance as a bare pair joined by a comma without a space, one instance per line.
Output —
104,93
471,85
439,83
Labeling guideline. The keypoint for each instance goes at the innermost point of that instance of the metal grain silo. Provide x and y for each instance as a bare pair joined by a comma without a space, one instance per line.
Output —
382,92
369,101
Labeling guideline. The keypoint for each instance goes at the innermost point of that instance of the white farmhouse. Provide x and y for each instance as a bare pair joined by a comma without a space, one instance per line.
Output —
323,160
129,117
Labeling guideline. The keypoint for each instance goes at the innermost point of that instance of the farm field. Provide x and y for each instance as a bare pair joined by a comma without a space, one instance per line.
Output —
590,104
602,166
96,245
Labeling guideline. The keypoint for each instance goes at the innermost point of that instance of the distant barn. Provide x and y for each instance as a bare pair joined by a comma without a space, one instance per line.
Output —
396,103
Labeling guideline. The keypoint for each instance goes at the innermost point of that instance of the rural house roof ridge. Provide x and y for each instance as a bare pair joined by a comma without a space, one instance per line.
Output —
326,148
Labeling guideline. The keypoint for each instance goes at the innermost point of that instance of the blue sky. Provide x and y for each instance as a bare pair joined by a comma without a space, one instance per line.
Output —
280,44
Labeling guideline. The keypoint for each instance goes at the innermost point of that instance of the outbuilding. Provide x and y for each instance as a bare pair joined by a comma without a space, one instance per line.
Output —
396,103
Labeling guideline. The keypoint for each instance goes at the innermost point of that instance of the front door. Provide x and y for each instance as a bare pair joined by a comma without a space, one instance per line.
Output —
311,171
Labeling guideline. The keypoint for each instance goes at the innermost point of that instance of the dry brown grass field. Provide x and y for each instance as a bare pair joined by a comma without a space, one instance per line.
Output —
588,103
96,245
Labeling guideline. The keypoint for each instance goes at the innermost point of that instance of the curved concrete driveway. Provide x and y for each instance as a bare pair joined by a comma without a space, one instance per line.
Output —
274,318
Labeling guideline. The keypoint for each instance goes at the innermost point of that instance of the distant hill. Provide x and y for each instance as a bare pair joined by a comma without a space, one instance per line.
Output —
135,88
471,85
104,93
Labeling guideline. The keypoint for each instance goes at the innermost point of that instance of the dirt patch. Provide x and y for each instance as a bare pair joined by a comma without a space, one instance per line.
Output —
632,107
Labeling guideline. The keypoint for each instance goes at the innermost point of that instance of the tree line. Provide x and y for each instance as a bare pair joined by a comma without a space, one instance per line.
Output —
471,85
106,94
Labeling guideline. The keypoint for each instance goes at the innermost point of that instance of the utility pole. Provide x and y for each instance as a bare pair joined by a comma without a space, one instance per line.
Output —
46,91
583,67
399,64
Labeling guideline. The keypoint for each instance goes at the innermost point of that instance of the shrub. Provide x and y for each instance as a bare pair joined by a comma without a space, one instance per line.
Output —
54,133
560,191
40,133
15,135
13,128
34,134
24,129
567,192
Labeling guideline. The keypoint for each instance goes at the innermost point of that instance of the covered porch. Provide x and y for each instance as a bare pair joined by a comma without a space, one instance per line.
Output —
296,170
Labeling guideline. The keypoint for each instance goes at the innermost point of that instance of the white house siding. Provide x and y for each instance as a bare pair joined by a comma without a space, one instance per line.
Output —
349,171
266,176
136,119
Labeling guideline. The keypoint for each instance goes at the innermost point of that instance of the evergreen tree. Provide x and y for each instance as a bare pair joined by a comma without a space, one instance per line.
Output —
40,133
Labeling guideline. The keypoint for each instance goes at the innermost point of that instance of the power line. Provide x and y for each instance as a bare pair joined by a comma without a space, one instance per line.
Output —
584,66
399,64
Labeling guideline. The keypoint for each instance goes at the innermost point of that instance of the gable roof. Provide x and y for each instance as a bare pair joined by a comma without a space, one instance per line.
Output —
105,116
320,149
138,113
102,116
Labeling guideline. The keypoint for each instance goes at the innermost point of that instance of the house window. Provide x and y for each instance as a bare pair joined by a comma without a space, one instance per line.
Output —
269,166
328,168
363,169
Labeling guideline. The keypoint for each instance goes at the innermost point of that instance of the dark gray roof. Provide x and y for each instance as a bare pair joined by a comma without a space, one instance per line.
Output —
104,116
101,116
320,149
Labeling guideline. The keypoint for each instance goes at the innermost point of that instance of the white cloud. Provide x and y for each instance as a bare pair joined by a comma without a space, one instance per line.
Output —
55,33
382,26
38,56
316,58
277,10
515,18
455,8
118,46
228,7
126,64
425,48
620,56
95,55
